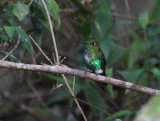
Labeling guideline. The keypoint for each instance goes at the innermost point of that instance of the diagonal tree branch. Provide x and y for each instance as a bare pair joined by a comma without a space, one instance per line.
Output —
75,72
57,57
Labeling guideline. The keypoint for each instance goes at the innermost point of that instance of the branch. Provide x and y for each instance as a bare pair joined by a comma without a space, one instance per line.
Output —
74,72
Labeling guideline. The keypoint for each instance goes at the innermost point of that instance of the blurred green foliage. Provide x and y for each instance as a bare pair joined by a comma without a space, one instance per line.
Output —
137,62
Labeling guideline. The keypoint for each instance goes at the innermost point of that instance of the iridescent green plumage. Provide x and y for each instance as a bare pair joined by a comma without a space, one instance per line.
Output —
94,57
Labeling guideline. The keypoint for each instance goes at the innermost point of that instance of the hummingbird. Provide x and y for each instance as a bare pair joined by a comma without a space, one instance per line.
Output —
94,58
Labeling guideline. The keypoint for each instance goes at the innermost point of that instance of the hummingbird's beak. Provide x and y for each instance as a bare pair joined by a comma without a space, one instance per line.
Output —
83,43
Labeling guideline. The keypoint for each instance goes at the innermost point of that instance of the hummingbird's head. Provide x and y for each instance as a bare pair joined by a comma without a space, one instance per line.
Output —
94,44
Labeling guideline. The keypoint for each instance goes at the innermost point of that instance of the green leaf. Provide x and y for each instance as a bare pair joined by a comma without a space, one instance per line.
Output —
53,9
143,19
58,97
131,76
118,120
109,72
136,50
12,57
25,38
9,30
1,29
5,38
54,77
114,56
42,111
110,89
156,73
119,114
155,15
94,97
9,14
20,10
80,6
38,30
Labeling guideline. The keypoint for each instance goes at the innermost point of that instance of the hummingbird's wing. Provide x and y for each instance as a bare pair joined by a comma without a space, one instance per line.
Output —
103,61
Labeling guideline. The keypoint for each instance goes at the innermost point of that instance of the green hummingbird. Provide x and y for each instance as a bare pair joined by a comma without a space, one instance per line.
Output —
94,58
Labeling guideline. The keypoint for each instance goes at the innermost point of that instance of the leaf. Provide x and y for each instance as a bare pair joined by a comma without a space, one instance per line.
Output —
42,111
5,38
9,14
12,57
25,38
1,29
110,89
94,97
58,97
118,120
9,30
80,6
131,76
137,48
53,9
39,16
155,15
119,114
38,30
114,56
153,61
109,73
143,19
20,10
156,73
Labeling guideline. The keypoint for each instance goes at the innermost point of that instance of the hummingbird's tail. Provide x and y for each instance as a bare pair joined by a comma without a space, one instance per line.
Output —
102,85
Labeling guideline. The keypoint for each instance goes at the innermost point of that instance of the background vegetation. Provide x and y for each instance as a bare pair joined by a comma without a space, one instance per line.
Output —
128,33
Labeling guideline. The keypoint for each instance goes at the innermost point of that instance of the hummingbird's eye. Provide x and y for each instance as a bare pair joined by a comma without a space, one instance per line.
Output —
93,43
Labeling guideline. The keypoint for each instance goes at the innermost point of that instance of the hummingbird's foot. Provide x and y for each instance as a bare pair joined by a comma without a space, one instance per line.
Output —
88,70
96,75
85,72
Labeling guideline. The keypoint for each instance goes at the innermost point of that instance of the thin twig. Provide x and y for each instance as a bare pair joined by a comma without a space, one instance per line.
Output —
41,50
62,76
74,79
30,3
55,87
127,6
57,57
62,60
15,47
24,107
36,93
40,99
65,79
54,59
41,93
94,106
51,28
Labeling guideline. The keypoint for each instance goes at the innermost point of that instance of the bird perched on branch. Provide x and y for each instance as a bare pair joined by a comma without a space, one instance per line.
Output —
94,58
